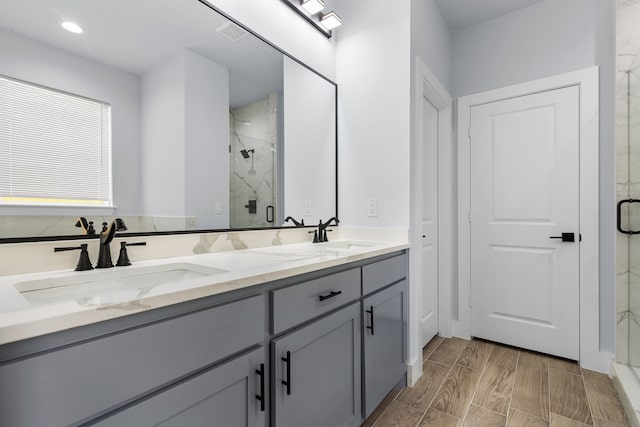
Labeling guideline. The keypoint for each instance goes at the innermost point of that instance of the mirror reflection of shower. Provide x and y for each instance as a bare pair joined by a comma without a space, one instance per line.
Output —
254,138
246,154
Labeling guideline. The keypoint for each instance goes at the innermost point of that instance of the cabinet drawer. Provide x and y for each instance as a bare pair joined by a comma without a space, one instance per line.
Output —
383,273
295,304
67,386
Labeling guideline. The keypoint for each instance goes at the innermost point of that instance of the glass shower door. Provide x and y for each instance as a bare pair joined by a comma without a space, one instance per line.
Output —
628,214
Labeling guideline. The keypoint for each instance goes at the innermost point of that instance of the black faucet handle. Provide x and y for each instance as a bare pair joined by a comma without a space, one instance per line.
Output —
315,236
104,226
84,263
90,230
123,258
86,226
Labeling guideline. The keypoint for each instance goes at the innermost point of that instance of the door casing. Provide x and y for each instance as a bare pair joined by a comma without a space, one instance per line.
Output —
587,79
428,86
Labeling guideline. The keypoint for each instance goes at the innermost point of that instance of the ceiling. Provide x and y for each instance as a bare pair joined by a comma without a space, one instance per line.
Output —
135,36
461,14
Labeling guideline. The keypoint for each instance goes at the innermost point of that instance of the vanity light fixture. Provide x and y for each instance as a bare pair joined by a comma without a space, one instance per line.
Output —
312,6
330,20
72,27
311,11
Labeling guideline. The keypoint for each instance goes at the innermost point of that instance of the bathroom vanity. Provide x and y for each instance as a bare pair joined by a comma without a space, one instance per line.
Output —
316,339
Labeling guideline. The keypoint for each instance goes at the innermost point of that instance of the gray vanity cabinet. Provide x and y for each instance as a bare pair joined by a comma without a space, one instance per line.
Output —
317,373
384,329
226,395
75,383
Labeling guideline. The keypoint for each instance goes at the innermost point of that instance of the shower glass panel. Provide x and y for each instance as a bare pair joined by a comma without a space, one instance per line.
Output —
628,185
253,156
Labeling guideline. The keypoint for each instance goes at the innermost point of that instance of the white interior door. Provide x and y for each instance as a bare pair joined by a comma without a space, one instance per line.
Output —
525,191
429,303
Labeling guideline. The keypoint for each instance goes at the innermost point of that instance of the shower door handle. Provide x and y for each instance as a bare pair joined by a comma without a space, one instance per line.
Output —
270,214
619,216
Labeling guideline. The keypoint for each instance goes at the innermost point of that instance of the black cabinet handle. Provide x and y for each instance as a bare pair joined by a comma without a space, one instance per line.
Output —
619,216
260,396
287,383
370,311
566,237
329,295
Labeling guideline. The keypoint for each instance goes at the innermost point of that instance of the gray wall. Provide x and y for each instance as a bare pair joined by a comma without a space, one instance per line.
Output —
548,38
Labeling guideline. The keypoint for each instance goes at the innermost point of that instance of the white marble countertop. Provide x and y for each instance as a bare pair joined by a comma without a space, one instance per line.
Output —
39,312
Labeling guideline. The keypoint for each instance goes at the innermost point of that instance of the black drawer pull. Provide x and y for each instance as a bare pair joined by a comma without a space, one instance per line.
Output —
370,311
260,396
287,383
330,295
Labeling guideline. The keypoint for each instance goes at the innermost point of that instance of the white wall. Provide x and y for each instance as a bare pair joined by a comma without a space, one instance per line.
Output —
431,40
276,22
163,126
548,38
309,143
207,141
373,72
185,121
36,62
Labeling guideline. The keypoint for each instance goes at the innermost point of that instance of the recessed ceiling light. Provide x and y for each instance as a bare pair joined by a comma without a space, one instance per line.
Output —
72,27
330,20
312,6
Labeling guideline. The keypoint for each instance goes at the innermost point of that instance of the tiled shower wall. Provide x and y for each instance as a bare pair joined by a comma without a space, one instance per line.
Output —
253,127
628,182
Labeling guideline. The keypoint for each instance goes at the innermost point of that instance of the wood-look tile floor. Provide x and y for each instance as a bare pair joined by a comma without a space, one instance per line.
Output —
477,383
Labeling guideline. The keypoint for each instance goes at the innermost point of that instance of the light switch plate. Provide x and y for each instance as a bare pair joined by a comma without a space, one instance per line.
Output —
308,208
372,207
218,207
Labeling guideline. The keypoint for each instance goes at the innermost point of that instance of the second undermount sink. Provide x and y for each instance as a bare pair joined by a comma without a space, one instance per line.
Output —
78,285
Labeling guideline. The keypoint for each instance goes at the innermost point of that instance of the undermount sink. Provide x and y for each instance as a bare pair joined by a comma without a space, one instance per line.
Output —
95,283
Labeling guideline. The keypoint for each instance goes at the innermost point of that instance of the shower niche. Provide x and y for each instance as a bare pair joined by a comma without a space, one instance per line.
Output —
255,141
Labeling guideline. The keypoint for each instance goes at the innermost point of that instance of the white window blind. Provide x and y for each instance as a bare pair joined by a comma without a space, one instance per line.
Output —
55,147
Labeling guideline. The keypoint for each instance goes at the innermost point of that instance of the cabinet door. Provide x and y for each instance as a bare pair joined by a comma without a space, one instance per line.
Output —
320,367
384,337
222,396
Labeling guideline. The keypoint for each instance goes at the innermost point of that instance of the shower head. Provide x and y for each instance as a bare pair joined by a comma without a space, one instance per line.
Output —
245,153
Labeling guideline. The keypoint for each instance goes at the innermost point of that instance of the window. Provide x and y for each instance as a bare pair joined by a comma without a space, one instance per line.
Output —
55,147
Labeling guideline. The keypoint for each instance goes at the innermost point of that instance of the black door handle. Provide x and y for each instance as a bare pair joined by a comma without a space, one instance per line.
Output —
287,382
370,311
329,295
566,237
260,396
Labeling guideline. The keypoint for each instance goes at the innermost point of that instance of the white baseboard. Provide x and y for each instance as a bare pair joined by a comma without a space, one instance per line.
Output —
414,372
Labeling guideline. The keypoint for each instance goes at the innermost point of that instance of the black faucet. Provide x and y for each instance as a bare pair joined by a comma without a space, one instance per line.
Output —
296,223
322,229
106,236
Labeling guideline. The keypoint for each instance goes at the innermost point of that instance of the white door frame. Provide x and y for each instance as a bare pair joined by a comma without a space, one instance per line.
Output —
428,86
587,80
